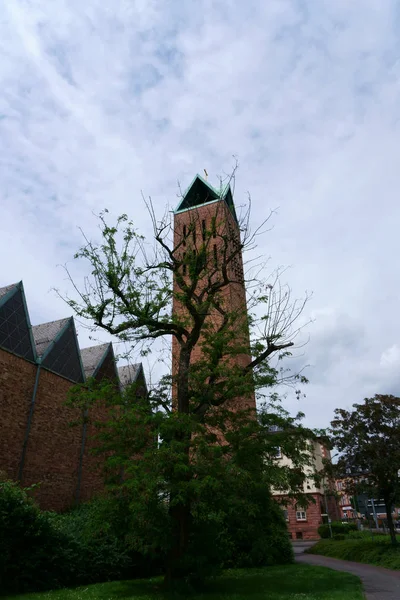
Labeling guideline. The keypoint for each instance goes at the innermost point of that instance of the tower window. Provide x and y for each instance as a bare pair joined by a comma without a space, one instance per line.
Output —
184,235
184,264
214,227
203,229
215,256
194,234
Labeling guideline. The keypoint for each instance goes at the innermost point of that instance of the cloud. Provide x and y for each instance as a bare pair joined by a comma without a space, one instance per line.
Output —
99,103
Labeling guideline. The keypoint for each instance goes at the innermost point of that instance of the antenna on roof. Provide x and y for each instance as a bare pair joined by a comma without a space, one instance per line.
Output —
206,174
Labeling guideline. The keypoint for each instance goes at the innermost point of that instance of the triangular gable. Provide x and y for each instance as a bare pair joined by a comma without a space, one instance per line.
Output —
99,362
45,334
107,369
63,356
92,357
15,327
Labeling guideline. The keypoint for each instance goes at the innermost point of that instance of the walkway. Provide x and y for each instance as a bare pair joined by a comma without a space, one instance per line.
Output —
379,583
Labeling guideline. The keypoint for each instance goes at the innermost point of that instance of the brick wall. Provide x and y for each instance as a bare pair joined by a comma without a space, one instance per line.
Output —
17,378
234,293
308,529
53,448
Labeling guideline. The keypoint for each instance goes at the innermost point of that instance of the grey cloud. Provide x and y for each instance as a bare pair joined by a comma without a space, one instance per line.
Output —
308,100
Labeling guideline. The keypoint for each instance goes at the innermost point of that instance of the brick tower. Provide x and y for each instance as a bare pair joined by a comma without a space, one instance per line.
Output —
206,217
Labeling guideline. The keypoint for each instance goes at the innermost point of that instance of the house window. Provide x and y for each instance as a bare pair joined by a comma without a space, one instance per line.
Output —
278,452
339,485
301,515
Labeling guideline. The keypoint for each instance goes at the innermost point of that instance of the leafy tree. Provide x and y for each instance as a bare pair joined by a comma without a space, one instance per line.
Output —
368,439
203,408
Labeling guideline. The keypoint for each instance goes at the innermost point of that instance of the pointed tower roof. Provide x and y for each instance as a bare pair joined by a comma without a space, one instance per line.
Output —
200,192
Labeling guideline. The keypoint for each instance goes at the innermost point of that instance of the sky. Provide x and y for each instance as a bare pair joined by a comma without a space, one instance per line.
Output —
101,102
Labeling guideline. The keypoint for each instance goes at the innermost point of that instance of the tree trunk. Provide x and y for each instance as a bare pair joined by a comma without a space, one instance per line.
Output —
180,540
392,531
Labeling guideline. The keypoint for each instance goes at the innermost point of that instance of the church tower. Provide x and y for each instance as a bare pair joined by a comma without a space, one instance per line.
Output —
205,218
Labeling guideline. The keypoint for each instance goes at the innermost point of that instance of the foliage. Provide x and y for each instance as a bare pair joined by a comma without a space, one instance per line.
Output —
34,554
234,520
337,527
379,551
368,439
40,550
189,287
274,583
99,528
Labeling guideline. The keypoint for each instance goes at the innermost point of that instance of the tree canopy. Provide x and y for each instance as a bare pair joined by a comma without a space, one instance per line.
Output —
368,439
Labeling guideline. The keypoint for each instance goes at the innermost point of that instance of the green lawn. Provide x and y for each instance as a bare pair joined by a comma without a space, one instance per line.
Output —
377,552
293,582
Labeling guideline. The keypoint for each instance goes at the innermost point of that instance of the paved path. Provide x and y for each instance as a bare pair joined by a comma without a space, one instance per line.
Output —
379,583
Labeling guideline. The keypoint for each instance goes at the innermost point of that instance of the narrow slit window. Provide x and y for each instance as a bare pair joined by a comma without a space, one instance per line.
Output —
215,256
184,235
214,227
194,234
203,229
184,264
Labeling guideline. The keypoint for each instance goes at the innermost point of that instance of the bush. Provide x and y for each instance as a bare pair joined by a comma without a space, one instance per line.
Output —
41,550
337,528
33,553
377,552
338,537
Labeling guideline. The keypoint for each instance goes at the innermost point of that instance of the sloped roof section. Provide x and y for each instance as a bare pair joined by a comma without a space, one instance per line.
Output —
92,358
4,290
15,328
45,334
128,374
62,355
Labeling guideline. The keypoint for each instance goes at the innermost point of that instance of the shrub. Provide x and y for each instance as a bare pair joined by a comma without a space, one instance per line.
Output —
337,528
33,553
339,537
41,550
374,552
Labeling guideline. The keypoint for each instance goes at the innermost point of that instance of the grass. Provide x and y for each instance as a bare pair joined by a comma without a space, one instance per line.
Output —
377,551
293,582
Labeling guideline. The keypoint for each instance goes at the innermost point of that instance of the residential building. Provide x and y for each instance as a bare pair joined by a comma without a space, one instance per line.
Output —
303,521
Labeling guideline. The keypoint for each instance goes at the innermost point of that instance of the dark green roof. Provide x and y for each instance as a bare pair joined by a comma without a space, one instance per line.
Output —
201,192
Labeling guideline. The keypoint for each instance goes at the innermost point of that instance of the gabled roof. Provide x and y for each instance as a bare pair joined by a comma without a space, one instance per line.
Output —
15,327
92,358
46,333
200,192
129,373
4,290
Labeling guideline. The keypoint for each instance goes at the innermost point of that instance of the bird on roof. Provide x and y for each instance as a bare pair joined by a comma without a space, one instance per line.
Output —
206,174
